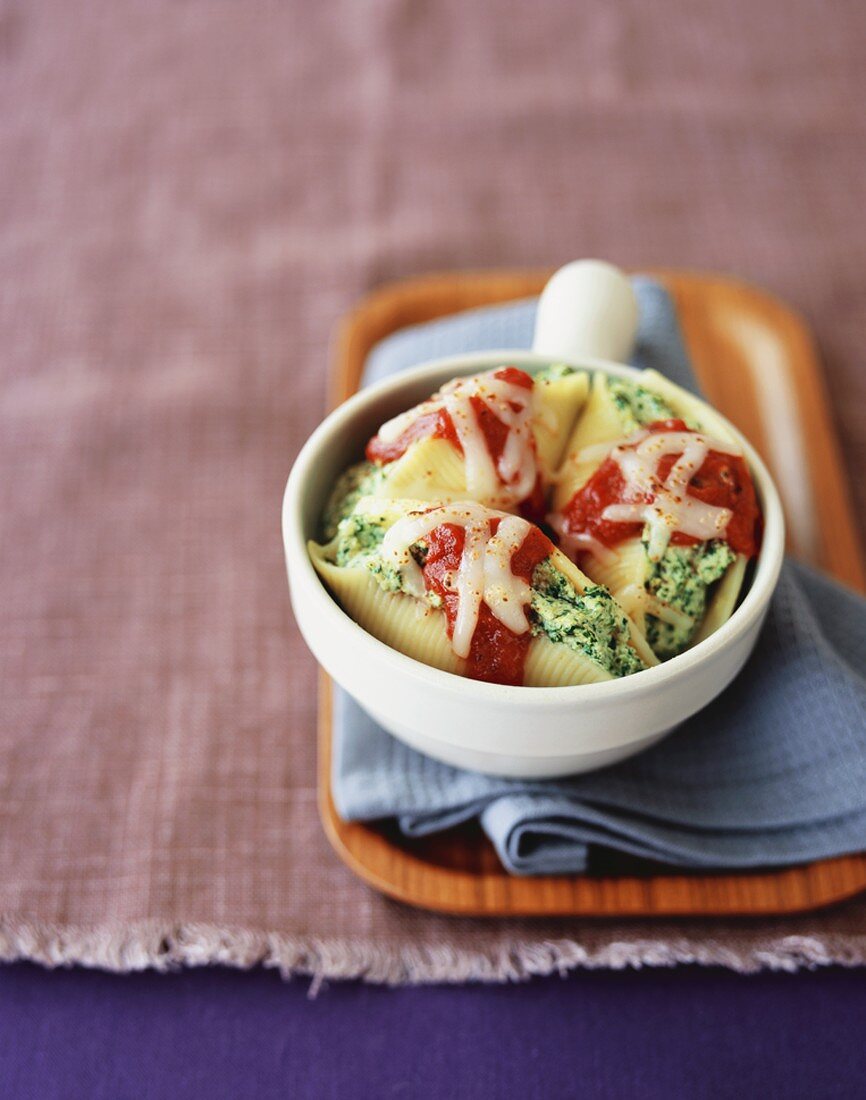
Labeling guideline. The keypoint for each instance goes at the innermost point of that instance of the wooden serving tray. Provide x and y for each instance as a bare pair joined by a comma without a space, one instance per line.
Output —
753,356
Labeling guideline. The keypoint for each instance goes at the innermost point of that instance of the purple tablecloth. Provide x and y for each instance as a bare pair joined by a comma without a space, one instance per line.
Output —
221,1033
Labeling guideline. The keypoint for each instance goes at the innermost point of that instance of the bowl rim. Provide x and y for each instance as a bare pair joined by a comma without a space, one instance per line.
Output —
647,681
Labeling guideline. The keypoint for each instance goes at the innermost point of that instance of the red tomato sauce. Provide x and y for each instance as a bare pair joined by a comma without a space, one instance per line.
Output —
723,480
534,508
432,425
497,654
438,424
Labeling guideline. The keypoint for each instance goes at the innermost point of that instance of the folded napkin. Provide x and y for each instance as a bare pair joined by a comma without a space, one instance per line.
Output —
773,772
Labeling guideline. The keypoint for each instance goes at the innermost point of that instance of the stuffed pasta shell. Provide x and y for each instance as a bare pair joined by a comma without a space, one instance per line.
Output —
654,500
476,592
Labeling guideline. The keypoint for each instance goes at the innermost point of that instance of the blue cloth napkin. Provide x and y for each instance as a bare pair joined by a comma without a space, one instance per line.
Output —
773,772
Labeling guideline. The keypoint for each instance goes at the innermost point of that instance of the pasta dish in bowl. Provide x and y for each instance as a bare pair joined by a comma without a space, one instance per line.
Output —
532,564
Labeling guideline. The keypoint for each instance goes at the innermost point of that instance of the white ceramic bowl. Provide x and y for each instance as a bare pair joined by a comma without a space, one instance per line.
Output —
525,732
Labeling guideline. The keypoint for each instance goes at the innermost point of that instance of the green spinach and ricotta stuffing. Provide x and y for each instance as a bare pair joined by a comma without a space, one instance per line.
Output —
554,371
637,405
588,622
682,579
360,480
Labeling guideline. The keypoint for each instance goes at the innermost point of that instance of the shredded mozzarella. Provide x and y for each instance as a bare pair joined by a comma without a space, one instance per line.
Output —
484,573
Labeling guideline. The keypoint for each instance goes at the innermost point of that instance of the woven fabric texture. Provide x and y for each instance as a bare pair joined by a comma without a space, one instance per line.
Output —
192,195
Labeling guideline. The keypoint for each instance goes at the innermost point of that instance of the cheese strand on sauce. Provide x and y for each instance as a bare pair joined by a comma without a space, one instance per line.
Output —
670,507
512,478
484,573
575,542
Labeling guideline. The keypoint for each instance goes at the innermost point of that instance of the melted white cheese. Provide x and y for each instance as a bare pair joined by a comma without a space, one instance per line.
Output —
484,573
575,542
598,452
509,480
670,508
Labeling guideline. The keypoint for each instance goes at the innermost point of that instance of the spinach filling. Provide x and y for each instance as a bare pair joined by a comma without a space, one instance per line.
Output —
637,405
358,481
682,579
590,622
356,546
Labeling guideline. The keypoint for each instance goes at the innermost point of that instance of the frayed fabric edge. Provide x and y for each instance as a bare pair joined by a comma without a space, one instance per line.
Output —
164,946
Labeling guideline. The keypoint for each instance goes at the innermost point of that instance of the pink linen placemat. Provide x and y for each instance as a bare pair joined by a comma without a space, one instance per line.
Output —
191,195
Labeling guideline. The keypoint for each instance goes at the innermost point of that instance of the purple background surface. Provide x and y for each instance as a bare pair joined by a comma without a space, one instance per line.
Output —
215,1033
